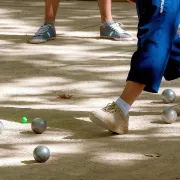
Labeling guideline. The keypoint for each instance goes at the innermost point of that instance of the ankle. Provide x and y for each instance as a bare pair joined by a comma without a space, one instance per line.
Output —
108,22
123,105
49,22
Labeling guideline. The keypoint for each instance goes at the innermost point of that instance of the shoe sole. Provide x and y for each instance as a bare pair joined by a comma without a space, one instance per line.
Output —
31,42
102,124
117,39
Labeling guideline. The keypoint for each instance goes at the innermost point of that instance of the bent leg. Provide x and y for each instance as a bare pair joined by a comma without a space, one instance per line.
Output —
157,28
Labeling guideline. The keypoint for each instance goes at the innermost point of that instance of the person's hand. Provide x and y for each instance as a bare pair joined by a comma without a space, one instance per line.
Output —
131,1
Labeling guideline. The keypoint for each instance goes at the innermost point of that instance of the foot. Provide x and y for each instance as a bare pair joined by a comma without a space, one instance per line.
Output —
114,31
45,33
111,118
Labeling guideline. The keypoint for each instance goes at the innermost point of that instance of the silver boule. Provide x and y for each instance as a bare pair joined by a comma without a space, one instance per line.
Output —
41,154
38,125
169,115
168,96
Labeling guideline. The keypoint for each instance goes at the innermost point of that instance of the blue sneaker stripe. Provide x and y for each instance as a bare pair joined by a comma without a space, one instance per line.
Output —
114,33
50,33
111,34
108,32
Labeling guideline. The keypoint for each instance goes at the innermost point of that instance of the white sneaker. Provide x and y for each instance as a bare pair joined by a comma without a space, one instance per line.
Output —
111,118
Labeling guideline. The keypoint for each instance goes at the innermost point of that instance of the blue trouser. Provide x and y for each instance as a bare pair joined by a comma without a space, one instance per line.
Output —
158,48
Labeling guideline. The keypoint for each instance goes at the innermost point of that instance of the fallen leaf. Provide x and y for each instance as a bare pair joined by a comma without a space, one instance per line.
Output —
153,155
64,96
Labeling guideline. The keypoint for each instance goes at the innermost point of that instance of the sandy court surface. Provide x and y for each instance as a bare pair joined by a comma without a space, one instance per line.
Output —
93,71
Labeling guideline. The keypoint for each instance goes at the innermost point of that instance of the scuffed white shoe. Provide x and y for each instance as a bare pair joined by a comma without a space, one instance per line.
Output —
111,118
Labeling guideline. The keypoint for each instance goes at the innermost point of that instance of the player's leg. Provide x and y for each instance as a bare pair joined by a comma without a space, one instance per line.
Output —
109,28
47,30
157,28
105,10
51,7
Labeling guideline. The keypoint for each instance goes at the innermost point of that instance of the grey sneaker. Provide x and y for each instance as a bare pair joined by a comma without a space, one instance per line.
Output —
114,31
111,118
45,33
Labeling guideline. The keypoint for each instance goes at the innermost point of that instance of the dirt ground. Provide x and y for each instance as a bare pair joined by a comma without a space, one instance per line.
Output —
93,71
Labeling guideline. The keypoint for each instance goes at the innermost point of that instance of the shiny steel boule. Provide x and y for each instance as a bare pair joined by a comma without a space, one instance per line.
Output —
41,154
38,125
168,96
169,115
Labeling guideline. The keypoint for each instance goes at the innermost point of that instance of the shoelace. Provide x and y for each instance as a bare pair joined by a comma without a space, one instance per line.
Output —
117,27
42,30
110,108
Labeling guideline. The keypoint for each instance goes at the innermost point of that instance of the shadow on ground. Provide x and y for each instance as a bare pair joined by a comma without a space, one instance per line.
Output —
93,71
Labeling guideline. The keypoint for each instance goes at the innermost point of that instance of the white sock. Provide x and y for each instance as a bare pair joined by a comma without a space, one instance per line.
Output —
123,105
